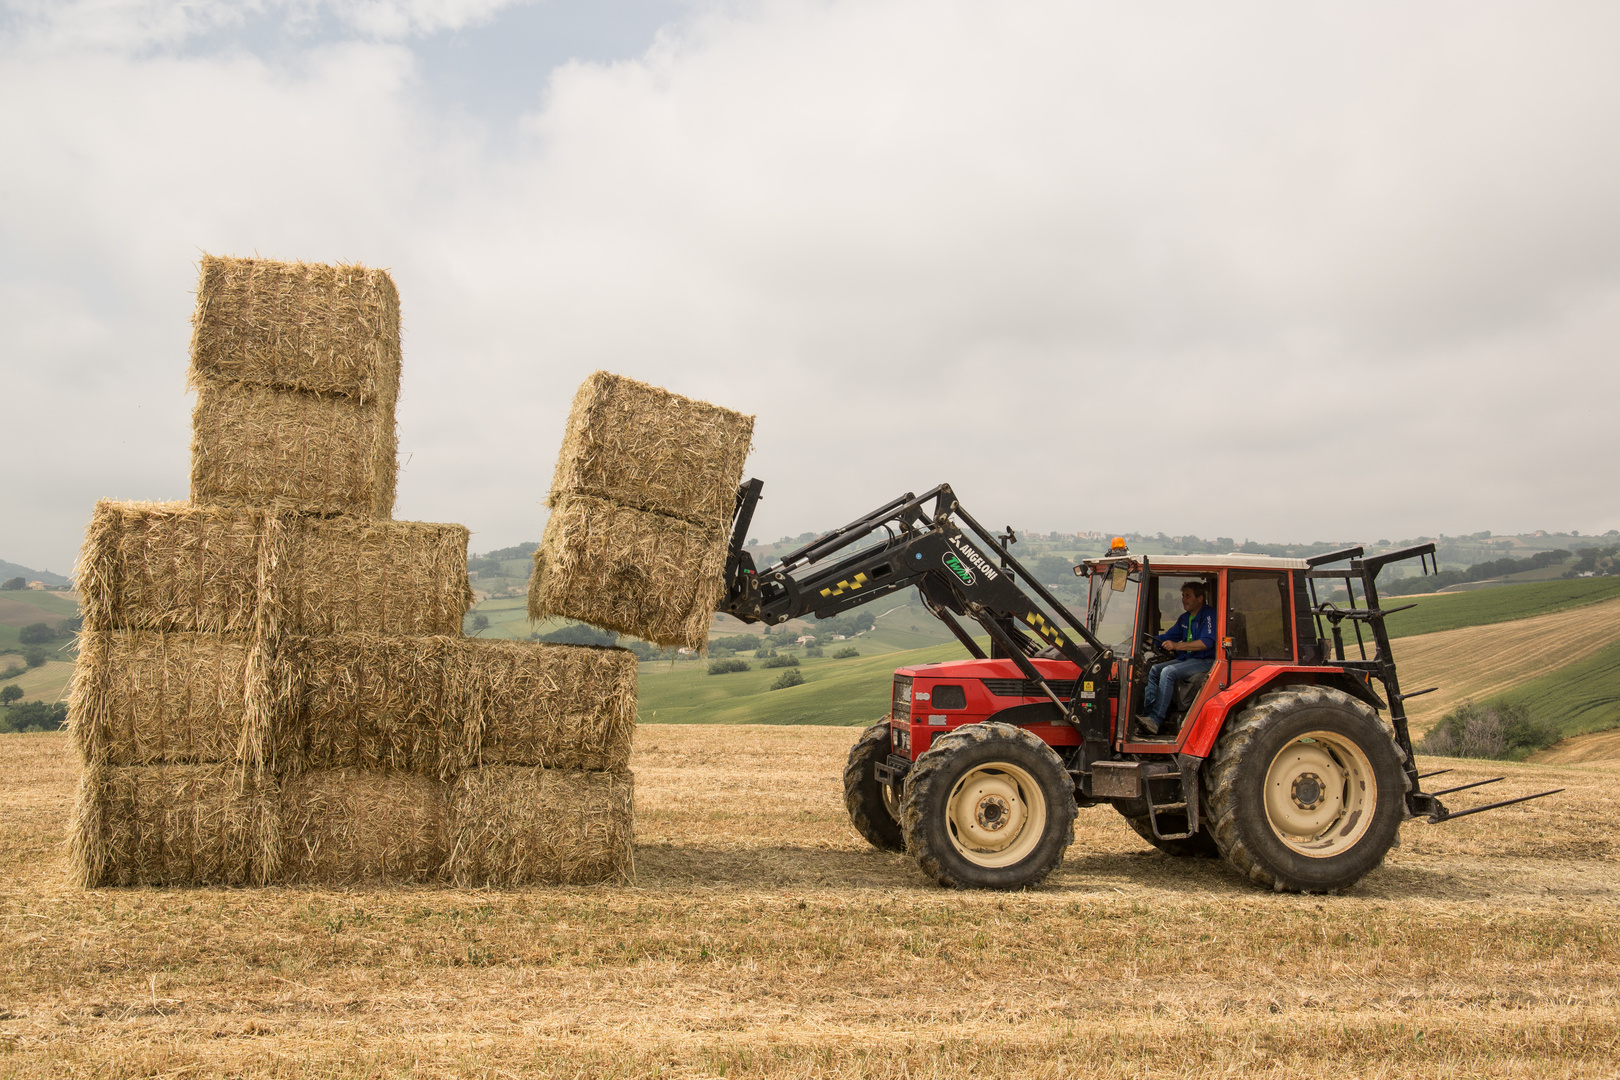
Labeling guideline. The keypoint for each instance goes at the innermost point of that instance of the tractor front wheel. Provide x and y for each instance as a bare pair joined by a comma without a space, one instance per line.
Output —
1306,790
988,806
874,807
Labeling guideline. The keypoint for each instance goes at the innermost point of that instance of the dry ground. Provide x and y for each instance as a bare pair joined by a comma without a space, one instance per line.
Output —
764,939
1481,662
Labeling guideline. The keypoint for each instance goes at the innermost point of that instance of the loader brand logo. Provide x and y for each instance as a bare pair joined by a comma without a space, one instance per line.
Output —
979,562
954,565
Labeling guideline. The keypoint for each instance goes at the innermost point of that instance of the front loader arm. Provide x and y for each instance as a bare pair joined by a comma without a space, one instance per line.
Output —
958,567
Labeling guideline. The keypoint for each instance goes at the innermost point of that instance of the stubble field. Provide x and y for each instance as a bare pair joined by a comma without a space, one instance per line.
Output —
764,939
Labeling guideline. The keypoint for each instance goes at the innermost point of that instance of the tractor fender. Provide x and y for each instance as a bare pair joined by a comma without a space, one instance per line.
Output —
1212,717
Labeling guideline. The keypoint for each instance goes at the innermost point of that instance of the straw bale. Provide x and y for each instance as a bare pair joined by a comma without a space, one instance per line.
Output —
143,697
366,701
379,577
638,573
560,706
176,567
259,446
522,826
644,447
437,705
297,326
173,825
347,826
172,566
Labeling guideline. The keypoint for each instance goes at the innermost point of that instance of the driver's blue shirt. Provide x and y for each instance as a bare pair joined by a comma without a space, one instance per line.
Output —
1203,630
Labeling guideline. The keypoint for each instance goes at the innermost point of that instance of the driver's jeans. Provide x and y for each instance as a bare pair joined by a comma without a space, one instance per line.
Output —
1161,687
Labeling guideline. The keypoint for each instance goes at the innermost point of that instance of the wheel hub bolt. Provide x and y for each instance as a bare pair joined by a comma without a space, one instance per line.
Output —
1308,791
992,812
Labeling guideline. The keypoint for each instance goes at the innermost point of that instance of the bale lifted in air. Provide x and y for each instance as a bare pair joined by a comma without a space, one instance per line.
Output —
1282,758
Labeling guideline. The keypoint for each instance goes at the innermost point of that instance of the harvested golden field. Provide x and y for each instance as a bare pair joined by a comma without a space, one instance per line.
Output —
1481,662
1600,747
764,939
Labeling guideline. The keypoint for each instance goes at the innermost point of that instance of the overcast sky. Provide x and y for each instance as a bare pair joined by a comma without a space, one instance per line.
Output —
1267,270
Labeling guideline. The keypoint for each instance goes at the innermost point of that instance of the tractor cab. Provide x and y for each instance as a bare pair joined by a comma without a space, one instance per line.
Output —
1264,629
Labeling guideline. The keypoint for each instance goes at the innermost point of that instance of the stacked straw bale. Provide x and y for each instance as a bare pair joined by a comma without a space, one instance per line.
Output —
296,368
272,685
641,503
351,826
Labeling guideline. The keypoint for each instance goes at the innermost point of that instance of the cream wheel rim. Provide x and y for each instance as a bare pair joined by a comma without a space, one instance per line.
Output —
996,814
1320,794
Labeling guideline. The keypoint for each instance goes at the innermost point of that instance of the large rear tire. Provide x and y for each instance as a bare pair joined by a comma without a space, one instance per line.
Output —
874,809
988,806
1306,790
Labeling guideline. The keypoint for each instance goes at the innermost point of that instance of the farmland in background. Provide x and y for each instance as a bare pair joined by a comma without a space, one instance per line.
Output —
764,939
1453,611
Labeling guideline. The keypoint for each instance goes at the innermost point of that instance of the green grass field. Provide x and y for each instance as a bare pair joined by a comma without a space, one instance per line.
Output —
1453,611
24,607
840,692
1580,698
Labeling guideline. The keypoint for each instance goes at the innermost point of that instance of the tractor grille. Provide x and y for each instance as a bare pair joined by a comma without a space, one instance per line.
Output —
900,705
1063,688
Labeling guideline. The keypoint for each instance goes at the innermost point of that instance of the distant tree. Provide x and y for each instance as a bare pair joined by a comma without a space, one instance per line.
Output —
790,677
10,694
36,634
813,650
726,667
644,650
33,716
13,584
581,634
480,622
781,661
1050,569
34,657
845,653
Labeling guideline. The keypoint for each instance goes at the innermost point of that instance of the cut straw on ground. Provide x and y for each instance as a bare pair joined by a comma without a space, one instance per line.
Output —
651,576
261,447
519,826
297,326
646,448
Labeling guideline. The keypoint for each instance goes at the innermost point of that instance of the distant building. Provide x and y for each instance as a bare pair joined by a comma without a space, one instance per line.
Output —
39,585
806,639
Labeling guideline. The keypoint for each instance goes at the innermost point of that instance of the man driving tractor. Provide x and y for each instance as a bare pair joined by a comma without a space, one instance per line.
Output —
1193,638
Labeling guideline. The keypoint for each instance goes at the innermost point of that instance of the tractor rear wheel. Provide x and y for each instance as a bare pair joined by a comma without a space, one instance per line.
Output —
874,808
1200,845
988,806
1306,790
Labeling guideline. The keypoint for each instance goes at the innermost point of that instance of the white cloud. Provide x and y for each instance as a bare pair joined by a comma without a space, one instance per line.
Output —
1264,270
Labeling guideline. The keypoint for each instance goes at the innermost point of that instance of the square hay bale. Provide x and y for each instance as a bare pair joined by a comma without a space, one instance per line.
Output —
628,570
644,447
437,705
559,706
177,567
173,825
523,826
258,446
372,702
143,697
376,577
348,826
172,566
297,326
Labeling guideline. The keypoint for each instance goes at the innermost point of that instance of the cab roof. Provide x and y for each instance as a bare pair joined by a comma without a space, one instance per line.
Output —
1204,562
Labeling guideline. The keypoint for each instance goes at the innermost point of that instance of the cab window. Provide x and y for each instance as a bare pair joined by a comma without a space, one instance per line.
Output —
1257,615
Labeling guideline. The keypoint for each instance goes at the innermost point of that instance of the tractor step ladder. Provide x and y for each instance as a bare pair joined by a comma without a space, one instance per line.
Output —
1151,773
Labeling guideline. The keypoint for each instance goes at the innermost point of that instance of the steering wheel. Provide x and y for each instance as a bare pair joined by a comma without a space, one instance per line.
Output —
1155,647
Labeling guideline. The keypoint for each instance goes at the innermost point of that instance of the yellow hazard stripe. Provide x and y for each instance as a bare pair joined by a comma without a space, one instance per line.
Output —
845,586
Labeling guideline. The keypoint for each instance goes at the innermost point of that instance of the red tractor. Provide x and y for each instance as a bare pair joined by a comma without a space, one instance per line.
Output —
1282,758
